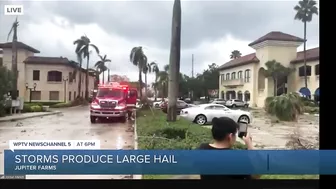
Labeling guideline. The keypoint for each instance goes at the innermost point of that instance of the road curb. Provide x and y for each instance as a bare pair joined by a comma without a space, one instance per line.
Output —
136,143
32,116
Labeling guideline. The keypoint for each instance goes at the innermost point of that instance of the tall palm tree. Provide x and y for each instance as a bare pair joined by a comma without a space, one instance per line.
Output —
305,11
139,59
145,70
174,61
156,70
235,54
83,48
13,31
163,80
102,66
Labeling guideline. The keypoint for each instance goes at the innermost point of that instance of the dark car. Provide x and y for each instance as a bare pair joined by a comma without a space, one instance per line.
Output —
180,105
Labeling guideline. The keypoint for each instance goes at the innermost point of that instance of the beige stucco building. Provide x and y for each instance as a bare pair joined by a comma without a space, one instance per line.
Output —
51,75
243,78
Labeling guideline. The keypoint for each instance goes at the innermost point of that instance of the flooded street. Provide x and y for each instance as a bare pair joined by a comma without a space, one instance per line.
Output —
71,124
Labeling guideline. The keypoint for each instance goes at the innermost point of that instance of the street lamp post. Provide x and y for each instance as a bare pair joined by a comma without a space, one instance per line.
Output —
30,91
65,79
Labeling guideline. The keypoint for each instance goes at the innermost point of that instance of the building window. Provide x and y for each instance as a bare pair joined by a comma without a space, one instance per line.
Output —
240,74
70,77
247,75
36,95
55,76
222,78
227,76
301,71
233,75
36,75
69,95
53,95
317,69
74,95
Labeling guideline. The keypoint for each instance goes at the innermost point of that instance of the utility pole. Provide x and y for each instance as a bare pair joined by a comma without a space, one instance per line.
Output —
192,65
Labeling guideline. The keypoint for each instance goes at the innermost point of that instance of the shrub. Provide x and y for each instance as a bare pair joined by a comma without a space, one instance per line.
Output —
155,133
62,105
268,100
311,110
36,108
308,102
2,110
286,107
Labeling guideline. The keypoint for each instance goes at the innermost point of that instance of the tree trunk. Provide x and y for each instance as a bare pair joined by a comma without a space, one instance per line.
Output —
79,78
108,75
103,77
155,88
146,85
87,79
140,83
14,65
275,83
304,52
174,61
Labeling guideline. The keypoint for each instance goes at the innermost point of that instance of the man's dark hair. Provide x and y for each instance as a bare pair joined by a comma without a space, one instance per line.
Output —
222,127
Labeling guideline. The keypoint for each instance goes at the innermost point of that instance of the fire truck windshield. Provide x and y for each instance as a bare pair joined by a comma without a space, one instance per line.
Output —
109,92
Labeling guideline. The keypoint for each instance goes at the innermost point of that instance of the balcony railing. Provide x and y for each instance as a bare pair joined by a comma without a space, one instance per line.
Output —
233,82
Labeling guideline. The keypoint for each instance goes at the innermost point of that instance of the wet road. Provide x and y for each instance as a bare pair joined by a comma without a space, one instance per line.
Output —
72,124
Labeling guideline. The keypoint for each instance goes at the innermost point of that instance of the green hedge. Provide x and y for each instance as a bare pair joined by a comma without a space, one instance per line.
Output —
32,107
154,132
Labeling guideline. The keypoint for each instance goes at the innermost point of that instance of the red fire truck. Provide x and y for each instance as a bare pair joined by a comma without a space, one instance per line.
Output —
113,100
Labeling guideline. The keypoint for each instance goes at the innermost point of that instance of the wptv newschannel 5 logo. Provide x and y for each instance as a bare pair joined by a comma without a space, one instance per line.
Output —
13,10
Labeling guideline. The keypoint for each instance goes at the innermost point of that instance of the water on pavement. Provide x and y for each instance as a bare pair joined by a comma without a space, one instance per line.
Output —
72,124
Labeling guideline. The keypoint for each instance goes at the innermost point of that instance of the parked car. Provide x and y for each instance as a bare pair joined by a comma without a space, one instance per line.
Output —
180,105
157,104
204,113
218,101
236,103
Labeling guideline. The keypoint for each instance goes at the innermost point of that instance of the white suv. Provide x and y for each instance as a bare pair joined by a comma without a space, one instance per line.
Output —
236,103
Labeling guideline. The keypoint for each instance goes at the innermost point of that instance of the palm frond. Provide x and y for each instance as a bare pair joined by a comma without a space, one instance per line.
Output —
95,48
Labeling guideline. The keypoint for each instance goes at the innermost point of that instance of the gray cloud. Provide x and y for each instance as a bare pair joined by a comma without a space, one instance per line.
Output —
149,22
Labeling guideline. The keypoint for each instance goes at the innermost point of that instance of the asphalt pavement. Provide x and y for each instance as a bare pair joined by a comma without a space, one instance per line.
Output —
70,124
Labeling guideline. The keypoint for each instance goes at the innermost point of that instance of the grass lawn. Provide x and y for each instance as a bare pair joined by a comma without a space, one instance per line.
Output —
154,133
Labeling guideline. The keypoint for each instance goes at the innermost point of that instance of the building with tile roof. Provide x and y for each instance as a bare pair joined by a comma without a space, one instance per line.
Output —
243,78
52,76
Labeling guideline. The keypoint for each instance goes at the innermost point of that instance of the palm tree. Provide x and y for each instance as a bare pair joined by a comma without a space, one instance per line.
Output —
145,70
13,31
83,49
235,54
174,61
156,70
139,59
101,66
277,72
304,12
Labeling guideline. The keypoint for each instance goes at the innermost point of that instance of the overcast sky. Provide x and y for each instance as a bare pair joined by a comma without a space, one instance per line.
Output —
210,29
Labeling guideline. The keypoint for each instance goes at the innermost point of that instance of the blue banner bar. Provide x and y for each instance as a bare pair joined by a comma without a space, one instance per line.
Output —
81,162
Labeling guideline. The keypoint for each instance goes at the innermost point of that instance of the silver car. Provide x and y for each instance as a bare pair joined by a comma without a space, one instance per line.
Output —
236,103
203,114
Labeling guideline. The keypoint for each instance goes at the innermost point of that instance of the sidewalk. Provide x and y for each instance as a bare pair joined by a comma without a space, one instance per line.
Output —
22,116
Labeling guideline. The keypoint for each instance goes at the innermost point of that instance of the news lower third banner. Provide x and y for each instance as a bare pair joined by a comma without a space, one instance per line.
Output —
81,162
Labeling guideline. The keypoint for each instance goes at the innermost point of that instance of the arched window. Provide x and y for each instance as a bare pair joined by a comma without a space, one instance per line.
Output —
317,69
227,76
247,75
240,74
247,96
233,75
55,76
301,71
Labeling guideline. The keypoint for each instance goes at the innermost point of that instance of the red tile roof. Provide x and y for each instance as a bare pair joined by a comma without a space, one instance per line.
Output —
277,36
20,45
311,55
247,59
52,60
43,60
